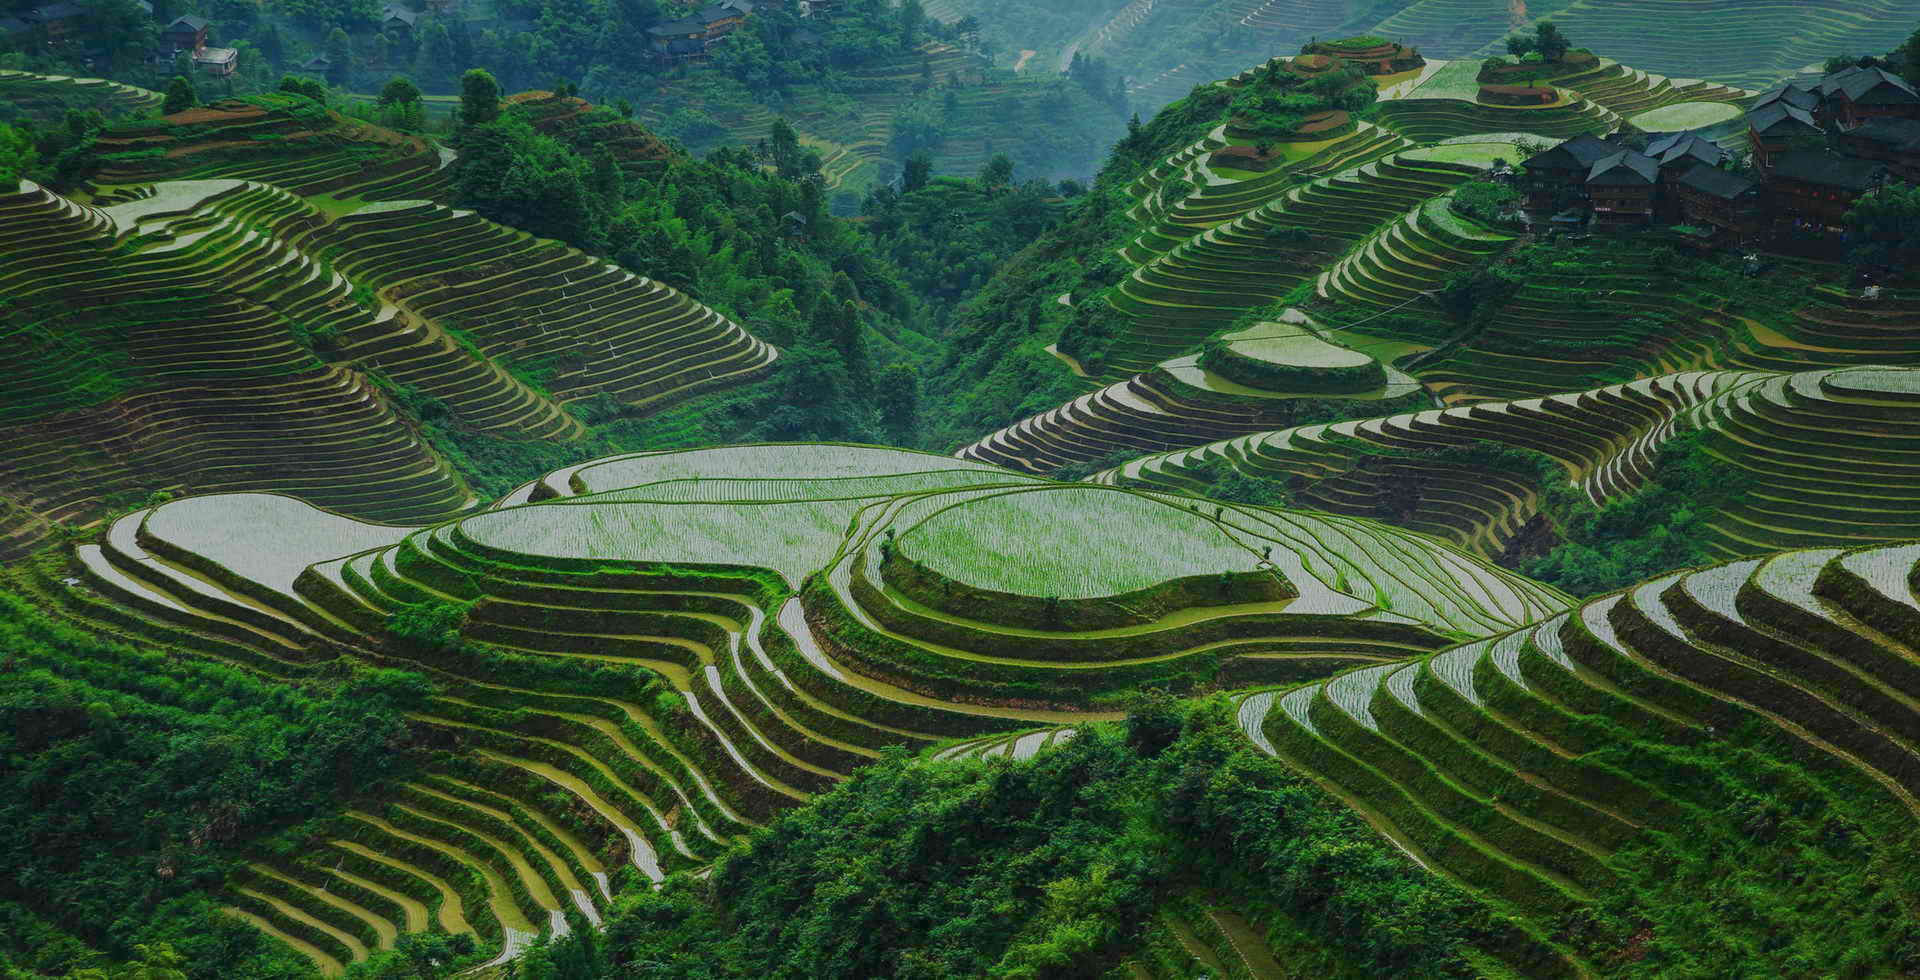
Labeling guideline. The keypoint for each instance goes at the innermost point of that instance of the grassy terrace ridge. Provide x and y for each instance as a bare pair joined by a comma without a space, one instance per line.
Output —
1604,442
287,140
195,323
1194,399
1821,453
47,98
1543,768
1729,42
671,648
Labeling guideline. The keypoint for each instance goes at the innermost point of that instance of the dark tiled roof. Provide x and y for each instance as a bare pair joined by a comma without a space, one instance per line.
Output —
58,11
1679,147
13,25
1824,169
1790,94
677,27
1900,134
1779,114
1718,183
1869,85
187,23
1624,167
1580,151
744,6
708,15
318,62
401,14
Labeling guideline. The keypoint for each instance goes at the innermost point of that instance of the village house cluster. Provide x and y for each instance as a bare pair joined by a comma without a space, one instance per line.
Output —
1818,146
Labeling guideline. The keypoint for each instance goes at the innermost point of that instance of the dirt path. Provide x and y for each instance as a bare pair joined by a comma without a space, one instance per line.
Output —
1025,54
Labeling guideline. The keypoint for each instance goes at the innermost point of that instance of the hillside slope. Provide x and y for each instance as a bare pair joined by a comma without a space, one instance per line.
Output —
173,339
683,645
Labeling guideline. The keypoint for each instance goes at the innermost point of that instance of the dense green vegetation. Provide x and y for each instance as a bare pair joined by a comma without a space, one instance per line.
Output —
133,781
1657,529
1052,868
994,367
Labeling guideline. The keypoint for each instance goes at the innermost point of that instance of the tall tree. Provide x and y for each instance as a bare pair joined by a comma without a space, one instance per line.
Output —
16,156
997,172
180,96
912,18
479,97
918,171
340,53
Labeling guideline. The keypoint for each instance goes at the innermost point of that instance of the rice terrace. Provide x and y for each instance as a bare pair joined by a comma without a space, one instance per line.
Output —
1124,489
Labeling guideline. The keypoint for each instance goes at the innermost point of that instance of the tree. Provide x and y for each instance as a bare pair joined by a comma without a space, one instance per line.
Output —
304,86
17,155
434,63
399,90
1520,45
180,96
784,145
340,52
998,172
918,170
479,97
1548,40
1886,223
897,395
912,18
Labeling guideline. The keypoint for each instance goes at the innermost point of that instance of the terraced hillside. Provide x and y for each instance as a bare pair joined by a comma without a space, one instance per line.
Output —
286,140
1216,242
1824,454
1364,220
1604,312
1050,129
228,335
660,651
1533,766
1254,379
1743,44
47,98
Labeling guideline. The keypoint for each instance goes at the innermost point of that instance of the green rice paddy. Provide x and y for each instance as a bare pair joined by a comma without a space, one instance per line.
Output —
1684,116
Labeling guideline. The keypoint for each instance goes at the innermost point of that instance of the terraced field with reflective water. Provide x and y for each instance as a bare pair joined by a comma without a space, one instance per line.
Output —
650,655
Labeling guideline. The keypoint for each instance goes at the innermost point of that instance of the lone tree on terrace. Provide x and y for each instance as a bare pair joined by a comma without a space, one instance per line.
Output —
1546,40
180,96
479,97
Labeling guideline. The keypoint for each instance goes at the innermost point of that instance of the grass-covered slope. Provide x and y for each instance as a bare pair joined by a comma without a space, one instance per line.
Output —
1626,763
1708,774
225,334
637,661
288,140
46,98
1269,375
1818,457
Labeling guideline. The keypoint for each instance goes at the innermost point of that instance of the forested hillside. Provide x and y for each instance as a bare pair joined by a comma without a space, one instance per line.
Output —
784,495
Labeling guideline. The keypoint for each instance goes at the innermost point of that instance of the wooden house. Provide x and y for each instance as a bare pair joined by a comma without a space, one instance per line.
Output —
1557,178
1857,95
1676,154
1621,188
1780,127
188,33
1894,142
1730,207
1813,189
